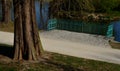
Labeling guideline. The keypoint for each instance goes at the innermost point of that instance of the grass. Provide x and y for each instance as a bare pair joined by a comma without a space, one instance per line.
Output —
7,27
85,64
58,62
7,68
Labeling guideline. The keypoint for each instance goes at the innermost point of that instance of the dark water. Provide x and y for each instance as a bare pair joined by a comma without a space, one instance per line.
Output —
44,12
117,30
37,8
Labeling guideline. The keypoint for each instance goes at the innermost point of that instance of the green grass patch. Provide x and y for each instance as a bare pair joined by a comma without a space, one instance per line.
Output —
7,68
85,64
58,62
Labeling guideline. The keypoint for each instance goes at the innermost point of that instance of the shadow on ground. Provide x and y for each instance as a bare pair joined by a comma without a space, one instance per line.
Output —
6,50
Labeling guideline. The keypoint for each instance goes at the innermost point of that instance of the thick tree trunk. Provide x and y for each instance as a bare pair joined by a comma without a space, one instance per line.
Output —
27,43
6,11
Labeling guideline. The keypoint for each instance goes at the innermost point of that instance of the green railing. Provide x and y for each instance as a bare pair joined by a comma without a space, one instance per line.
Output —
84,27
52,24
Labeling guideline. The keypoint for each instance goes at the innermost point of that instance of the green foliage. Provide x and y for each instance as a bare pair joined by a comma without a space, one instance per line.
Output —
77,5
70,8
77,9
105,5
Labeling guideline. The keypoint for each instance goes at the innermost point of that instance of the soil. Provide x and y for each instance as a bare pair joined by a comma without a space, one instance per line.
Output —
5,59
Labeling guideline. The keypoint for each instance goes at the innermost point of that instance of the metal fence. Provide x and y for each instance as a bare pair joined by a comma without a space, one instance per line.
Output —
80,26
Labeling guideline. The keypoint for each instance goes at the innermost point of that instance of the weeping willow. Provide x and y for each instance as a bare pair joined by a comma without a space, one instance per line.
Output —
70,9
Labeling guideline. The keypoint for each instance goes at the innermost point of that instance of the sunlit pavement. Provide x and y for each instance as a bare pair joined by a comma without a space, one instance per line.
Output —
71,48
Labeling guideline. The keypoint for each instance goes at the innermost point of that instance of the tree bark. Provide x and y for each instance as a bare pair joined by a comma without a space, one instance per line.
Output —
6,17
27,44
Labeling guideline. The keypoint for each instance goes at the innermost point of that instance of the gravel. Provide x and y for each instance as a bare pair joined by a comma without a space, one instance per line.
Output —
95,40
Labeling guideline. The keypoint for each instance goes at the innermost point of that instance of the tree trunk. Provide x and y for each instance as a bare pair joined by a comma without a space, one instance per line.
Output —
27,43
6,11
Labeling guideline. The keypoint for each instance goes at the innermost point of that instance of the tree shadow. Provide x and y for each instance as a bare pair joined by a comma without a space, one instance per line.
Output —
6,50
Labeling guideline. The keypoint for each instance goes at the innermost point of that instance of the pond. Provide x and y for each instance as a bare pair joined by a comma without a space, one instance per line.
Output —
37,8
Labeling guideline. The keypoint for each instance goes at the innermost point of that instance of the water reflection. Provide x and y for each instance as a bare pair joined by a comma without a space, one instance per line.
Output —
44,12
